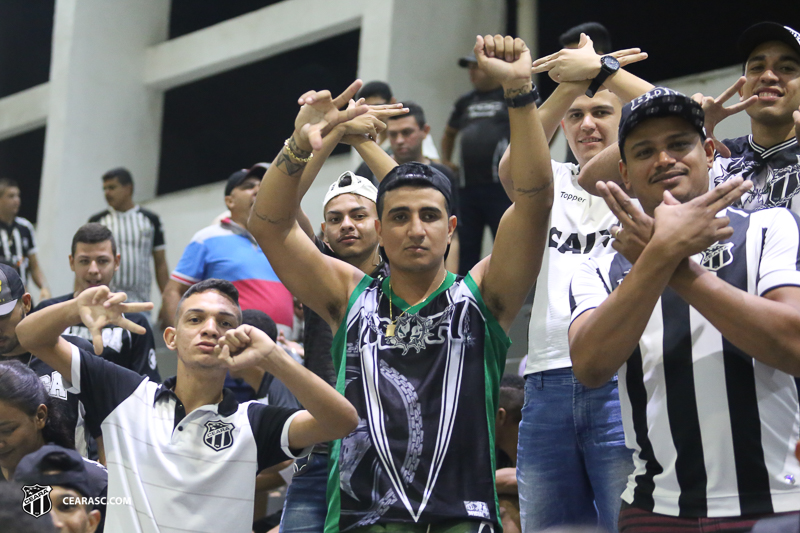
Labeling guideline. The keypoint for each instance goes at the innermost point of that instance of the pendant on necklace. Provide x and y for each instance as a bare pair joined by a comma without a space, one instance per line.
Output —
390,330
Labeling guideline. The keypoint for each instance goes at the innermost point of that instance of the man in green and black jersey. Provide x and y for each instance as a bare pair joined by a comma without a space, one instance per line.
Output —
419,353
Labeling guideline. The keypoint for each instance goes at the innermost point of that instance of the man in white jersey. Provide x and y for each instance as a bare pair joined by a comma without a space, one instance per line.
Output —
420,352
572,462
700,314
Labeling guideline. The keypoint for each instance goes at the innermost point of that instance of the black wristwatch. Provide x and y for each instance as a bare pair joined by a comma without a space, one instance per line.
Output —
608,66
521,100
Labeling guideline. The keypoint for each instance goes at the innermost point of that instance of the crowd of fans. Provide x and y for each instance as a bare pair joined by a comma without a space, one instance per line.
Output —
364,363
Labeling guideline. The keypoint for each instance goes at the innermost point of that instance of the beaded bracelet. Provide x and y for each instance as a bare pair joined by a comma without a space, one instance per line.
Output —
295,156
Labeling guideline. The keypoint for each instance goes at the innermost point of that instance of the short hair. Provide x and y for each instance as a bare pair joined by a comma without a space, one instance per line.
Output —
596,31
7,183
412,170
376,88
21,388
224,287
122,174
414,110
93,233
260,320
512,395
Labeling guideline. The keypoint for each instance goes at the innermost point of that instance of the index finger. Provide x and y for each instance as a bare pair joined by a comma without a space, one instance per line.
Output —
731,196
136,307
341,100
611,201
133,327
629,207
97,340
730,91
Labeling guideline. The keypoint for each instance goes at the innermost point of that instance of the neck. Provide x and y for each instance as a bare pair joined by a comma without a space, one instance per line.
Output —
8,474
367,263
240,219
8,218
198,387
768,135
126,206
414,287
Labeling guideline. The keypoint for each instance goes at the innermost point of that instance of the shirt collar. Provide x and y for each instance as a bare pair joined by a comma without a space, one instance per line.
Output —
226,407
764,153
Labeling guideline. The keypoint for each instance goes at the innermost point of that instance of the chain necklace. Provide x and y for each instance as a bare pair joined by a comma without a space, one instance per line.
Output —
392,326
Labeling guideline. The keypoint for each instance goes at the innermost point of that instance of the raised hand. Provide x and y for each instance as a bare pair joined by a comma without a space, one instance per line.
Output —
370,124
244,347
715,112
99,307
582,63
320,113
505,59
635,227
686,229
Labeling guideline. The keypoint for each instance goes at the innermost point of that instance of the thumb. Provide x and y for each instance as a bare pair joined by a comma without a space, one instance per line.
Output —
585,40
97,340
669,199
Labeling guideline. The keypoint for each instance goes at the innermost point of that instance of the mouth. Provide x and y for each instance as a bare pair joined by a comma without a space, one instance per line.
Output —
590,140
416,249
348,239
768,94
206,347
670,177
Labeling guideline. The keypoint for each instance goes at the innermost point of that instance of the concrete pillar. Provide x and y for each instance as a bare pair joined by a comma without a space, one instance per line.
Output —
100,116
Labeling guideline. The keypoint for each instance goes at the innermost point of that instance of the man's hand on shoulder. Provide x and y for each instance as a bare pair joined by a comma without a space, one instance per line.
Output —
99,307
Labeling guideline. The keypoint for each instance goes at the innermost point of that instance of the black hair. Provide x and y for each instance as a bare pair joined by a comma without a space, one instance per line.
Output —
93,233
596,31
376,88
411,174
12,515
7,183
21,388
221,286
512,395
414,110
122,174
261,320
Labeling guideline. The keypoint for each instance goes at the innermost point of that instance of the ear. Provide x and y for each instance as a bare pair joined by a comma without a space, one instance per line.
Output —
623,171
26,302
322,227
116,262
229,202
71,263
40,417
169,338
378,231
94,520
500,419
708,146
426,129
563,128
452,222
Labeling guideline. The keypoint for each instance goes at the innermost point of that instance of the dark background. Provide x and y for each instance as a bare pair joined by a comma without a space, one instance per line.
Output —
216,125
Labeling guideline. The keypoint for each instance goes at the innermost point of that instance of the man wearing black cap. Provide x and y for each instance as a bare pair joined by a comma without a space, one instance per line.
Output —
227,251
481,117
77,486
699,311
770,156
420,353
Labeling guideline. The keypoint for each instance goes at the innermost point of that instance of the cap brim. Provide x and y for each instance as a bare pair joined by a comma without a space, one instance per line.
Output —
7,307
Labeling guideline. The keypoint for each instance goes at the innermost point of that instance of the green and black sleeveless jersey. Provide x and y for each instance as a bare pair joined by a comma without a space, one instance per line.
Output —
423,451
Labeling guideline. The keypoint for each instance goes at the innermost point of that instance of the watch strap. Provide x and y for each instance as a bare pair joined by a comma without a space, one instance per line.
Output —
522,100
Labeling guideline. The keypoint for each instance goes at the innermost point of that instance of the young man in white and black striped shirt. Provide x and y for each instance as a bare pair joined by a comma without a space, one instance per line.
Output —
139,235
700,313
17,242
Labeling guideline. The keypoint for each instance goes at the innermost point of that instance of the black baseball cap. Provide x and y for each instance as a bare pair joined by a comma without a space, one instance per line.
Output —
257,171
11,288
763,32
659,102
416,174
70,465
465,61
235,179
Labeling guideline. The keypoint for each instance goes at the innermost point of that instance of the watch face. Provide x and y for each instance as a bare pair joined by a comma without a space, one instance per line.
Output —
610,62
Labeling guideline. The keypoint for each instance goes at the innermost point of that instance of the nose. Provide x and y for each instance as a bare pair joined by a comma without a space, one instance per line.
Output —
416,228
769,76
664,158
347,222
588,123
210,328
93,268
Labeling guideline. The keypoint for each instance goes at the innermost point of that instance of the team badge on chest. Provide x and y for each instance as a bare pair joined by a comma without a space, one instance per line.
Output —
717,256
219,435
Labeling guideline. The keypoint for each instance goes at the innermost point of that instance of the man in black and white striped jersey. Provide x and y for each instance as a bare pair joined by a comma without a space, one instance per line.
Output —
700,312
139,235
17,242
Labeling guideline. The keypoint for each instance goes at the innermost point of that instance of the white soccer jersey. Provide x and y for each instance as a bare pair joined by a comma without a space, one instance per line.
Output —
579,225
182,472
713,430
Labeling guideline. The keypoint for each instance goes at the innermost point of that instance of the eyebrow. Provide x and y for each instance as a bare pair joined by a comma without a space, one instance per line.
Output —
784,57
595,108
669,138
336,212
204,311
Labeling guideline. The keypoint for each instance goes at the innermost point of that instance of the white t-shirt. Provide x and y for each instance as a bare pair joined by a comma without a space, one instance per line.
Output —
579,225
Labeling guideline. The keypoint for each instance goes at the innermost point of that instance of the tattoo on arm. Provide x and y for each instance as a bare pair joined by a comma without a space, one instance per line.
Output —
296,150
288,165
266,218
513,93
533,191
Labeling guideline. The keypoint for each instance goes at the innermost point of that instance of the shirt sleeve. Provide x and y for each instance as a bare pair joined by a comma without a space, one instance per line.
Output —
455,116
158,234
100,385
588,288
143,350
191,267
270,426
780,256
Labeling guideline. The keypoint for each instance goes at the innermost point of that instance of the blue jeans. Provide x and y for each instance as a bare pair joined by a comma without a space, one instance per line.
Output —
305,507
572,463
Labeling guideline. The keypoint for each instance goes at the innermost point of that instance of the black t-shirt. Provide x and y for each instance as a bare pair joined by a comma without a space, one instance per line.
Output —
120,346
482,120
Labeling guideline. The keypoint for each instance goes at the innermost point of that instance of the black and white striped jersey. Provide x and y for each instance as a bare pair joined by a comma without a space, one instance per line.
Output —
17,243
713,430
138,233
774,171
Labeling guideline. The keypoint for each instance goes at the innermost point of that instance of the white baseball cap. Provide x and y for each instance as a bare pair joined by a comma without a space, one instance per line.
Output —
349,183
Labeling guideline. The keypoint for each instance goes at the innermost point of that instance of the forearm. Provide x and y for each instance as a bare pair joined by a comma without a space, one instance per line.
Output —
40,332
606,337
37,274
378,161
627,86
169,300
162,275
506,480
766,330
602,167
